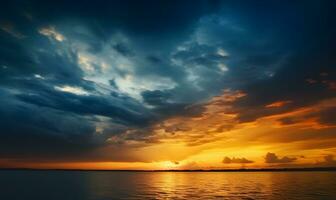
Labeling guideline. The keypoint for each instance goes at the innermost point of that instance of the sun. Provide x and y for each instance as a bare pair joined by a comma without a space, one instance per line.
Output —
169,165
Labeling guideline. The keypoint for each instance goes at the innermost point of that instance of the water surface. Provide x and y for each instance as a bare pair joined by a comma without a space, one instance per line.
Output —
63,185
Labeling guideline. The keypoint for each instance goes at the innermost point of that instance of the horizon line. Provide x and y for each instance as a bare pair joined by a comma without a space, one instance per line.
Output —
183,170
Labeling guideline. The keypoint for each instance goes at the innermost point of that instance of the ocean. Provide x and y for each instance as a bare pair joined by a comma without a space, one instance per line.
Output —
110,185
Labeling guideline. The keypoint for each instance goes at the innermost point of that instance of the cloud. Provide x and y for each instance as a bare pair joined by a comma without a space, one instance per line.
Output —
123,49
273,158
126,112
321,115
52,33
189,73
157,97
277,104
234,160
9,28
70,89
39,136
328,161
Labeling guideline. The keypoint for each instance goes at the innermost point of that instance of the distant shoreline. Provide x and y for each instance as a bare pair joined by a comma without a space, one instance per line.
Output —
195,170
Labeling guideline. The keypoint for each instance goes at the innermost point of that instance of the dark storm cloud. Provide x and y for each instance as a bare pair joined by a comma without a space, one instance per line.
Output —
288,81
79,104
49,130
164,57
124,50
147,17
38,118
165,106
156,97
113,83
290,85
29,130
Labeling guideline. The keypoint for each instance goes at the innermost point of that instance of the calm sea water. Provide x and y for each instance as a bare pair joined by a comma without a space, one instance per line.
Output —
63,185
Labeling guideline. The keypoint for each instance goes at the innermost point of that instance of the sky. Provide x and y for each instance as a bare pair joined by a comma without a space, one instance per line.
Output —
167,84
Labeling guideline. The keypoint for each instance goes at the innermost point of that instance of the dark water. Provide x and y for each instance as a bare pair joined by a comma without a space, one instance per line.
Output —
63,185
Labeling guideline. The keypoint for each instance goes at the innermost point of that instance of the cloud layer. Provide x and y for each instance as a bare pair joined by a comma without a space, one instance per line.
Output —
95,80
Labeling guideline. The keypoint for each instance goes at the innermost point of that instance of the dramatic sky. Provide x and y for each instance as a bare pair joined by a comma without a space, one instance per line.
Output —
167,84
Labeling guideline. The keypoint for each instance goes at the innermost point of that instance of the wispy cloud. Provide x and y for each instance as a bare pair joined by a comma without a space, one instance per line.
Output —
51,32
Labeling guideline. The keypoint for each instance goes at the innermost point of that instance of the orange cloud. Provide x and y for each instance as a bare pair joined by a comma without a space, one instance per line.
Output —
228,160
200,141
277,104
273,158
